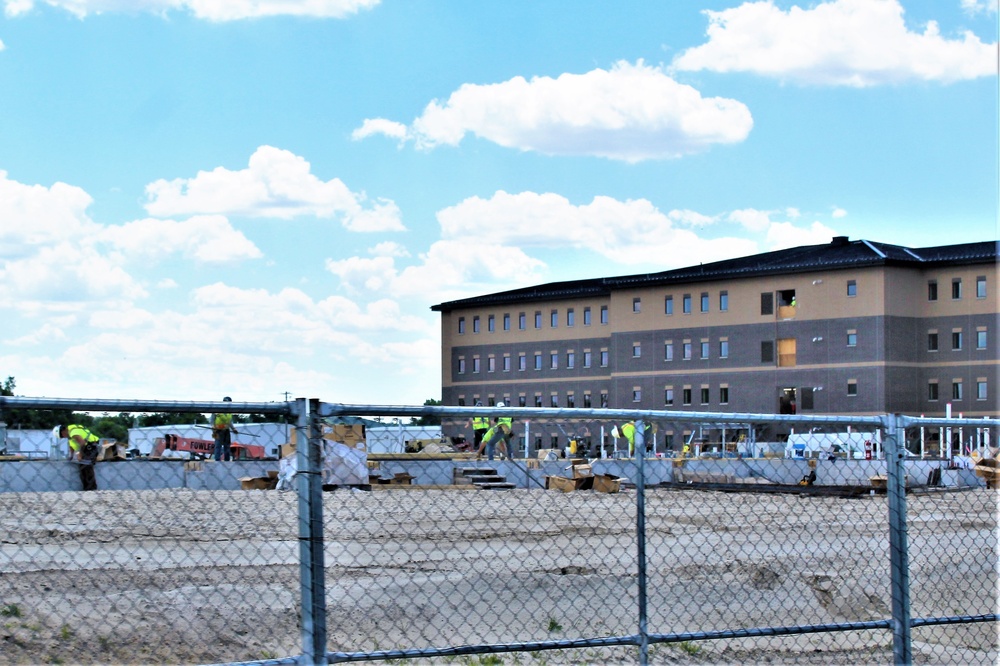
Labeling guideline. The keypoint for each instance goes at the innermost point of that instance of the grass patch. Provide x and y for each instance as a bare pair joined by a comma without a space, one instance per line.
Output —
10,610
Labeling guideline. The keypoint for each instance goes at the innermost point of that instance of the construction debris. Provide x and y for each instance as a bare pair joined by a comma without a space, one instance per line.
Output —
582,478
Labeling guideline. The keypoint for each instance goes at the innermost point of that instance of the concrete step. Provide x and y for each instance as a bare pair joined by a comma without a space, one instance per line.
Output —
501,485
485,478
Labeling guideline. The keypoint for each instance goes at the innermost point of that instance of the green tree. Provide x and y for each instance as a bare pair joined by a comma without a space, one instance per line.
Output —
428,420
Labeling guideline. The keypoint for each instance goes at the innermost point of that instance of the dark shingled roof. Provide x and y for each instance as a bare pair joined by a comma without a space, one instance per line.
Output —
840,253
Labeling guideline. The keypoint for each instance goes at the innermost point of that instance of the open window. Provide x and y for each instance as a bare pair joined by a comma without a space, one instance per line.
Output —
786,304
787,401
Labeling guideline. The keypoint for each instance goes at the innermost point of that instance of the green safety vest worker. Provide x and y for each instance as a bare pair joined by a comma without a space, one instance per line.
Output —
223,421
480,423
79,437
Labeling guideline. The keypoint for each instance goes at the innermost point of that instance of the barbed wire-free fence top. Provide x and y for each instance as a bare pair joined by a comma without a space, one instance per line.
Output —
735,539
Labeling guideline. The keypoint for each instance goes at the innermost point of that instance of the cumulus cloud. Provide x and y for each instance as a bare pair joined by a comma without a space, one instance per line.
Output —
210,10
632,112
276,183
35,215
781,235
855,43
206,238
979,6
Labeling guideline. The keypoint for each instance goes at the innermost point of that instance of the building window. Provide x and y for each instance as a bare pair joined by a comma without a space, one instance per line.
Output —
980,389
604,400
554,361
704,348
956,340
932,342
538,318
980,339
686,304
554,319
723,348
506,363
570,317
786,353
723,395
588,356
586,316
522,321
522,401
956,288
506,321
475,324
538,400
668,351
767,351
704,301
554,400
723,301
852,387
932,391
686,349
522,362
637,304
491,324
538,361
636,395
491,364
636,349
704,395
956,389
461,402
852,288
981,286
686,396
767,303
932,290
852,339
586,401
668,305
492,402
570,400
461,366
475,365
461,325
668,396
570,359
604,314
604,358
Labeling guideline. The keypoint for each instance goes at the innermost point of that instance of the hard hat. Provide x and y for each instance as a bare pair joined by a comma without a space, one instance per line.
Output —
615,432
479,403
500,404
56,431
227,399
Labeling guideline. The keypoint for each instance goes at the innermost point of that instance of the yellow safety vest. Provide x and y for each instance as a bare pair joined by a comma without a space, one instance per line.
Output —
480,423
74,430
223,421
506,420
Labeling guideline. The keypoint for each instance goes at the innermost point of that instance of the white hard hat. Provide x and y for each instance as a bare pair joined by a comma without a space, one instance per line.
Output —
500,404
615,432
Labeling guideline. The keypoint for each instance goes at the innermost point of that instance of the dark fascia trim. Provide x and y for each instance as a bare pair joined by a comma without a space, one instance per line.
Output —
806,259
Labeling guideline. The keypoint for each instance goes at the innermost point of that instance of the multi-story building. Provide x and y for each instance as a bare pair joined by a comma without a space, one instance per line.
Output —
849,327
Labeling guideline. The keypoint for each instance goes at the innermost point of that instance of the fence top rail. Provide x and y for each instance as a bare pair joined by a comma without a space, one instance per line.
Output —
603,414
100,405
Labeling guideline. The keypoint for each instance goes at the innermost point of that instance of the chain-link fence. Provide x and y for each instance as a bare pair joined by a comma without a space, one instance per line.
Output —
736,538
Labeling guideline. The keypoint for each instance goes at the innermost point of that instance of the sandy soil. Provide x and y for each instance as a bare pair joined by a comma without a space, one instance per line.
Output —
182,576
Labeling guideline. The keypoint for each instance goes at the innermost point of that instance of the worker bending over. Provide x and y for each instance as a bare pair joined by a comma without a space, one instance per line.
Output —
497,437
83,449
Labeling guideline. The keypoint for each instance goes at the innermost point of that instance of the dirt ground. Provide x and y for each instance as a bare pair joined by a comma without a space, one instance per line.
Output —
180,576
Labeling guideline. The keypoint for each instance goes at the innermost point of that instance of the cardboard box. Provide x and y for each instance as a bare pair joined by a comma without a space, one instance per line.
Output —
288,449
563,484
258,483
548,454
581,471
351,435
402,479
607,483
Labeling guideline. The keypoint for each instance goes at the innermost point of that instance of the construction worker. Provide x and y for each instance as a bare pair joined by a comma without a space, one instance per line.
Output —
627,430
83,447
222,426
499,434
480,424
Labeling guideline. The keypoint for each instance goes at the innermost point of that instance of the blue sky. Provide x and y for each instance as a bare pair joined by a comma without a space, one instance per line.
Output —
202,198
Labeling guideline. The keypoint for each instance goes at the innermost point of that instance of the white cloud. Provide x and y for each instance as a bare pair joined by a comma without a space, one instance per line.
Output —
855,43
276,184
838,213
206,238
48,332
781,235
373,126
979,6
35,216
629,113
211,10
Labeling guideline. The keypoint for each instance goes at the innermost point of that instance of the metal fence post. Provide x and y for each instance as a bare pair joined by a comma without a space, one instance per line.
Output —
895,457
311,564
640,533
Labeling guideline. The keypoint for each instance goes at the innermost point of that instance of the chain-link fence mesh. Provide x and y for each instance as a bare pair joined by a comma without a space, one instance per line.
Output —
733,540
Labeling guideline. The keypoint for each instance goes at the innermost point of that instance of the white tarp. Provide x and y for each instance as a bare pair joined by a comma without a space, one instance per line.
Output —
342,466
